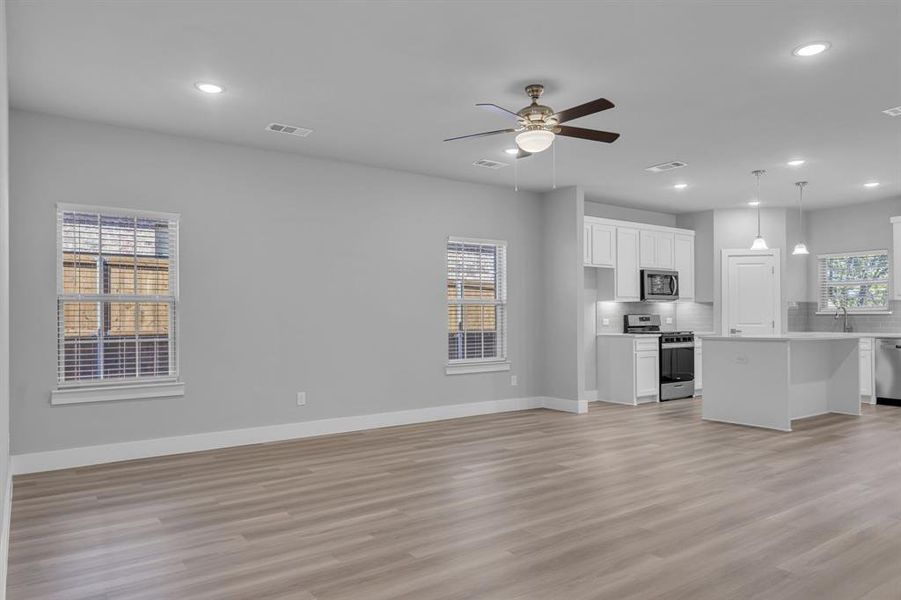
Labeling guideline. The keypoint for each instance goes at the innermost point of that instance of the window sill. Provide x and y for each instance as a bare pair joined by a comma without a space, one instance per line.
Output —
479,367
107,393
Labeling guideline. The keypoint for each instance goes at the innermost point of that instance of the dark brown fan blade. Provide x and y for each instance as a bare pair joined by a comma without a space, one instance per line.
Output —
473,135
498,109
589,108
588,134
523,154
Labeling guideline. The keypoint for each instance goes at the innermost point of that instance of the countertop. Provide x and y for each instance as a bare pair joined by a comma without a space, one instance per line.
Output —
630,335
794,336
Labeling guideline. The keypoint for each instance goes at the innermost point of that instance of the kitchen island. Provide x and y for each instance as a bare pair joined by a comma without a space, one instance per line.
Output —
768,381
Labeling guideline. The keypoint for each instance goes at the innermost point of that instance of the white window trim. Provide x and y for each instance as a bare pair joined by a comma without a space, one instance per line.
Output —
854,311
105,391
481,365
81,393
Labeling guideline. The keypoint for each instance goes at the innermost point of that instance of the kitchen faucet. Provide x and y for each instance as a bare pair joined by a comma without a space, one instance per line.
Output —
844,310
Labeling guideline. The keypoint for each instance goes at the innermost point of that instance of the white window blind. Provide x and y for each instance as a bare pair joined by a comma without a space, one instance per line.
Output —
857,281
476,300
117,296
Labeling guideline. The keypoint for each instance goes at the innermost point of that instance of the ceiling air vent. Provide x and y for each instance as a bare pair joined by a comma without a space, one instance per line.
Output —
893,112
490,164
289,129
667,166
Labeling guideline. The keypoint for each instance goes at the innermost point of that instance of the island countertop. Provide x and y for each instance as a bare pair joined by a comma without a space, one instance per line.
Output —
792,336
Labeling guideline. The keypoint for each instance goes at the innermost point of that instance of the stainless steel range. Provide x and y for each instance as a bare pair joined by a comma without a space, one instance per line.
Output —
677,365
677,355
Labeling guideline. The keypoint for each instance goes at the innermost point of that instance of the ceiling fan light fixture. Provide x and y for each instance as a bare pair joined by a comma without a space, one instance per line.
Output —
535,140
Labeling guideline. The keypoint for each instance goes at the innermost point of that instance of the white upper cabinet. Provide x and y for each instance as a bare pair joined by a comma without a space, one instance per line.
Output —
628,247
684,263
657,249
628,282
603,245
586,244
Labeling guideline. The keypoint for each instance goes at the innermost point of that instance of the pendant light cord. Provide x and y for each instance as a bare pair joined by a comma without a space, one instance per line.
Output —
758,173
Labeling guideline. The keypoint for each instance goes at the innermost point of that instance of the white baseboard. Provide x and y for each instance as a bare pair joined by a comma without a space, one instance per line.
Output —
573,406
37,462
4,534
590,395
605,400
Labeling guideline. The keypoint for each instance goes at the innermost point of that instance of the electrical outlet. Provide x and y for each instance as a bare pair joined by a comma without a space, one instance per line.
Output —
513,380
301,398
605,321
669,320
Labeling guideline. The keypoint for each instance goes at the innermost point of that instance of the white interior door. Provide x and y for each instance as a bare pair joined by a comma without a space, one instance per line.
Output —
751,294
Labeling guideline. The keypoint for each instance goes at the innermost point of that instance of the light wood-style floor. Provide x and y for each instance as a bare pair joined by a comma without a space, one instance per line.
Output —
623,503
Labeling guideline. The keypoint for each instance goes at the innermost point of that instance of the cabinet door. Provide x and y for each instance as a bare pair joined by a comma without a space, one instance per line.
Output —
684,263
648,250
586,244
663,250
647,366
627,271
866,372
603,245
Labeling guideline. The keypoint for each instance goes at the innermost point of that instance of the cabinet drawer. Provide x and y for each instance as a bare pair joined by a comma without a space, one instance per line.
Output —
866,343
646,345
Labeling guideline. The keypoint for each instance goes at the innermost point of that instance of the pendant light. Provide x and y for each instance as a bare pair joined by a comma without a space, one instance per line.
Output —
759,242
800,247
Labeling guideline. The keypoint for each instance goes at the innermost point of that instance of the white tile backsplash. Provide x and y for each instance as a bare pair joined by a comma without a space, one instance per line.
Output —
685,316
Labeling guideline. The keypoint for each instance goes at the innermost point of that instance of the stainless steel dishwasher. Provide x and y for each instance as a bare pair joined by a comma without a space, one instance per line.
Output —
888,370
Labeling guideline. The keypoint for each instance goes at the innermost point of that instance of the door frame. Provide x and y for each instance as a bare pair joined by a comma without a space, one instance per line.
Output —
724,284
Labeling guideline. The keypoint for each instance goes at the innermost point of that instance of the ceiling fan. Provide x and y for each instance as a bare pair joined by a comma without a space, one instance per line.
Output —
537,125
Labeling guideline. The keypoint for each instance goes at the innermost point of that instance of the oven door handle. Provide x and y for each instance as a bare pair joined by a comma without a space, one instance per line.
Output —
677,345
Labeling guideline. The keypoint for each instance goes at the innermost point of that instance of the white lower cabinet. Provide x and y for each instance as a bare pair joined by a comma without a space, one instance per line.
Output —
867,383
628,369
647,373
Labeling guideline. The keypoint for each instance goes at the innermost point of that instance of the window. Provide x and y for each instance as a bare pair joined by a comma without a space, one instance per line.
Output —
476,305
857,281
117,297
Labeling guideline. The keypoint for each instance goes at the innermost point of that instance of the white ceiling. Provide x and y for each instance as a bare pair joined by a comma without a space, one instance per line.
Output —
710,83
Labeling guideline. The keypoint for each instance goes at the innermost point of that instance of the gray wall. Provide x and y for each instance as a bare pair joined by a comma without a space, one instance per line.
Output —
296,275
4,266
562,325
848,229
623,213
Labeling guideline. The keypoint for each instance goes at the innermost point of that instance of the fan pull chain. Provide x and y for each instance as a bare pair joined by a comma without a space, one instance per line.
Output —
554,167
515,173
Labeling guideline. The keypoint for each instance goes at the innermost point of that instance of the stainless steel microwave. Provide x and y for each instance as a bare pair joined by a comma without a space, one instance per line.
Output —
659,285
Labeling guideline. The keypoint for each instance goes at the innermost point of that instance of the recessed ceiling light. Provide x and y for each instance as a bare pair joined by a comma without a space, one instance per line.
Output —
209,88
871,184
811,49
796,163
753,202
680,186
512,151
